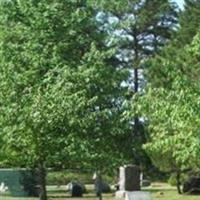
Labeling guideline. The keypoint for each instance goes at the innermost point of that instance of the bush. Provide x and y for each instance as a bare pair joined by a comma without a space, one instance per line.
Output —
64,177
29,182
172,180
192,184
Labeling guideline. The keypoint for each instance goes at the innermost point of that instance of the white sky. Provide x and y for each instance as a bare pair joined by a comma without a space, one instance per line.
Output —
180,3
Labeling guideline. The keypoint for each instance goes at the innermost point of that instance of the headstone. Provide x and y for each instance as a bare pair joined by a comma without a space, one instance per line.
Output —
100,185
103,186
137,195
129,184
146,183
76,189
129,178
3,187
120,194
132,178
122,178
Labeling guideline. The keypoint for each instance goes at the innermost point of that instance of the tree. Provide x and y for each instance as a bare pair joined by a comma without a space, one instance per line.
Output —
61,98
171,104
189,22
141,29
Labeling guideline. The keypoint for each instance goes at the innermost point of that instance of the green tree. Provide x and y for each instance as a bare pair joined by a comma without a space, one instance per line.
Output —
61,98
141,29
171,107
189,22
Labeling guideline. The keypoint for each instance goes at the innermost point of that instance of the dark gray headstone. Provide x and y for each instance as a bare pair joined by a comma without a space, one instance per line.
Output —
146,183
100,185
132,178
76,189
129,178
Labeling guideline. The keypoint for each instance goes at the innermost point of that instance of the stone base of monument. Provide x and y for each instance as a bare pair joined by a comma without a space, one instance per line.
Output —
120,194
137,195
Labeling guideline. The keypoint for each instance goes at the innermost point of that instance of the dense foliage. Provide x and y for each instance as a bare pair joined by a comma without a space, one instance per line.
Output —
73,77
139,29
171,108
61,97
173,112
189,22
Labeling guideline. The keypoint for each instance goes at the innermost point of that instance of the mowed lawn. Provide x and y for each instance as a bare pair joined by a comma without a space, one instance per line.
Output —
158,192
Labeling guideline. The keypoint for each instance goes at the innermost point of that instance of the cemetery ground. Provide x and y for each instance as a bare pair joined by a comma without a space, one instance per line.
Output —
159,191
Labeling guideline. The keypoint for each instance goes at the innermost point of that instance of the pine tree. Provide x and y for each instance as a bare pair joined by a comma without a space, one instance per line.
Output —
189,22
141,30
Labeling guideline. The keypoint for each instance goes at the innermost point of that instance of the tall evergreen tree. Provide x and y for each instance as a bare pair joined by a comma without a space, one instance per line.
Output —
189,22
188,28
141,29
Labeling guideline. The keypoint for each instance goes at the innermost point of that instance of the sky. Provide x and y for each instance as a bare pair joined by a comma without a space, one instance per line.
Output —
180,3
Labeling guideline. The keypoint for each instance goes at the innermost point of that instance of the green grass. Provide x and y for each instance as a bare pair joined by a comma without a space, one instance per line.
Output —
163,191
172,195
159,191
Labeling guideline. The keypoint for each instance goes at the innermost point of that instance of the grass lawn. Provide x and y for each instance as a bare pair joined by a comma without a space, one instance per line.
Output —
163,191
172,195
158,192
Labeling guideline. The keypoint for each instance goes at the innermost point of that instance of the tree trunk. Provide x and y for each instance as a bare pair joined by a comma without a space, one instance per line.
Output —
178,183
98,185
136,81
42,182
100,196
136,132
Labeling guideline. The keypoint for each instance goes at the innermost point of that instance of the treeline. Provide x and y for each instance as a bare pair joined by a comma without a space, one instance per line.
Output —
87,83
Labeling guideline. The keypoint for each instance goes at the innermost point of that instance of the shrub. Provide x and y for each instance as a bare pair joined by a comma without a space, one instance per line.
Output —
64,177
172,180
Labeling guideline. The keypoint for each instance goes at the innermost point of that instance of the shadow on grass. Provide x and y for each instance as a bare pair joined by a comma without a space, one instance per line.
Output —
86,196
69,197
156,190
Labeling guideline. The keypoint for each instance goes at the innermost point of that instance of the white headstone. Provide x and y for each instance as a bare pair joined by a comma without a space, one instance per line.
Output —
121,178
3,187
137,195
